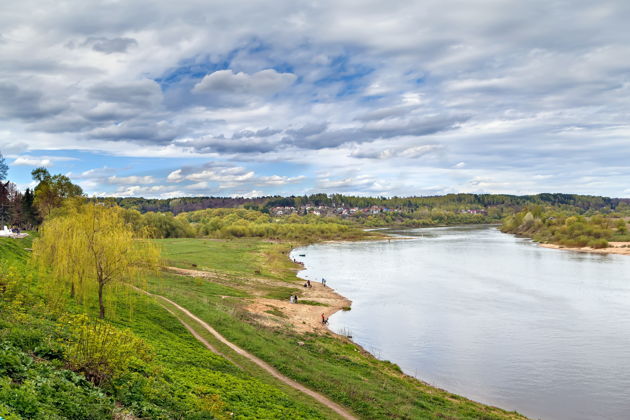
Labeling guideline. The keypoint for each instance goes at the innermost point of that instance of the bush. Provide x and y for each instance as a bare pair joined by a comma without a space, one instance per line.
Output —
598,243
100,351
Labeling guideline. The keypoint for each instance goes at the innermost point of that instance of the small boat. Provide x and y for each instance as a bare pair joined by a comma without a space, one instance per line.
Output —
302,255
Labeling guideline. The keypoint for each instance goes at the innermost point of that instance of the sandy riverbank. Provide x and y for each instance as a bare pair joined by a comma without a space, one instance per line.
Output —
621,248
303,317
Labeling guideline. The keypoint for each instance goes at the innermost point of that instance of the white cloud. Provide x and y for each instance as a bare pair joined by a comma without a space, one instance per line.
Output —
250,194
31,161
175,176
203,185
229,175
130,180
278,180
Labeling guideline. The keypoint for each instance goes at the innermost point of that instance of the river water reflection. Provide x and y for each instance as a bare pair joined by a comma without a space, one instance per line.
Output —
489,316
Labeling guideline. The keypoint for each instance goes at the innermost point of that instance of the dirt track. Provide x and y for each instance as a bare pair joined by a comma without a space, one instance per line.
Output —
264,365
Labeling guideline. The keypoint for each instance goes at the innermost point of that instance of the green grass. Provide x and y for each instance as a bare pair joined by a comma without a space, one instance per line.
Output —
13,249
312,303
183,380
231,256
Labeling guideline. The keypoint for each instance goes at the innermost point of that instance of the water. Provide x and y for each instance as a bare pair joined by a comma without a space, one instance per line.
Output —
489,316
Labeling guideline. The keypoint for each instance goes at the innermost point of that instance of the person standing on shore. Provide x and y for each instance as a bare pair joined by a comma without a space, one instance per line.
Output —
324,282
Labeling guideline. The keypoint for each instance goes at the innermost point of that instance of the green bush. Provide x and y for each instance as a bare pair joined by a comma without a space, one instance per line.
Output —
100,351
598,243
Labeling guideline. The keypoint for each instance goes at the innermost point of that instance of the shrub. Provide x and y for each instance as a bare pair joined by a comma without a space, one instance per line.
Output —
598,243
100,351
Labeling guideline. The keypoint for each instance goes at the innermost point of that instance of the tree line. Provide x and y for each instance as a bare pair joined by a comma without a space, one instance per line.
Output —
27,209
500,204
567,228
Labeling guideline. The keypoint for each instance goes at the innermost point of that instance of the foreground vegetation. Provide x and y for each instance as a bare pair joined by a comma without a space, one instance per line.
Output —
567,228
57,360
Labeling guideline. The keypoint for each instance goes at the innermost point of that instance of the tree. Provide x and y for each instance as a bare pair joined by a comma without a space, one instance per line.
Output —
10,208
5,204
52,190
4,169
29,214
91,247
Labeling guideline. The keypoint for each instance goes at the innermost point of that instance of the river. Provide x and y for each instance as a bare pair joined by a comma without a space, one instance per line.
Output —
489,316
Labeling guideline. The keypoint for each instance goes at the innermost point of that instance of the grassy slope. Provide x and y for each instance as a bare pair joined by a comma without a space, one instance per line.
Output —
338,368
184,380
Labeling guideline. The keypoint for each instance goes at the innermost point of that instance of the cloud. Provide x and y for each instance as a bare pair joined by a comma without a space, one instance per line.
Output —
110,45
278,180
221,144
203,185
175,176
264,82
130,180
319,136
264,132
31,161
138,93
225,176
159,191
26,103
407,153
160,132
250,194
361,183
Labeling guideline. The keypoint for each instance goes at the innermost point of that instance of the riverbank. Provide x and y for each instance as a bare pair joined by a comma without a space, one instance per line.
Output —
248,274
620,248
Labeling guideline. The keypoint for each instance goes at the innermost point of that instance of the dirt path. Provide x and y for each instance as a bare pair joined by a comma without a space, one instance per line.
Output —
192,273
264,365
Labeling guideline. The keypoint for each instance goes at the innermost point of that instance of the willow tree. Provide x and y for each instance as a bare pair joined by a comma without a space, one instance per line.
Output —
91,247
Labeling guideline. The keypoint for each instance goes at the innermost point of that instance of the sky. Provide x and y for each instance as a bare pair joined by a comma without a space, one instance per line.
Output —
170,98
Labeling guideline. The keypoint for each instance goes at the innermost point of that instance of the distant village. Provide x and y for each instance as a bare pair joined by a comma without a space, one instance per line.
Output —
330,211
